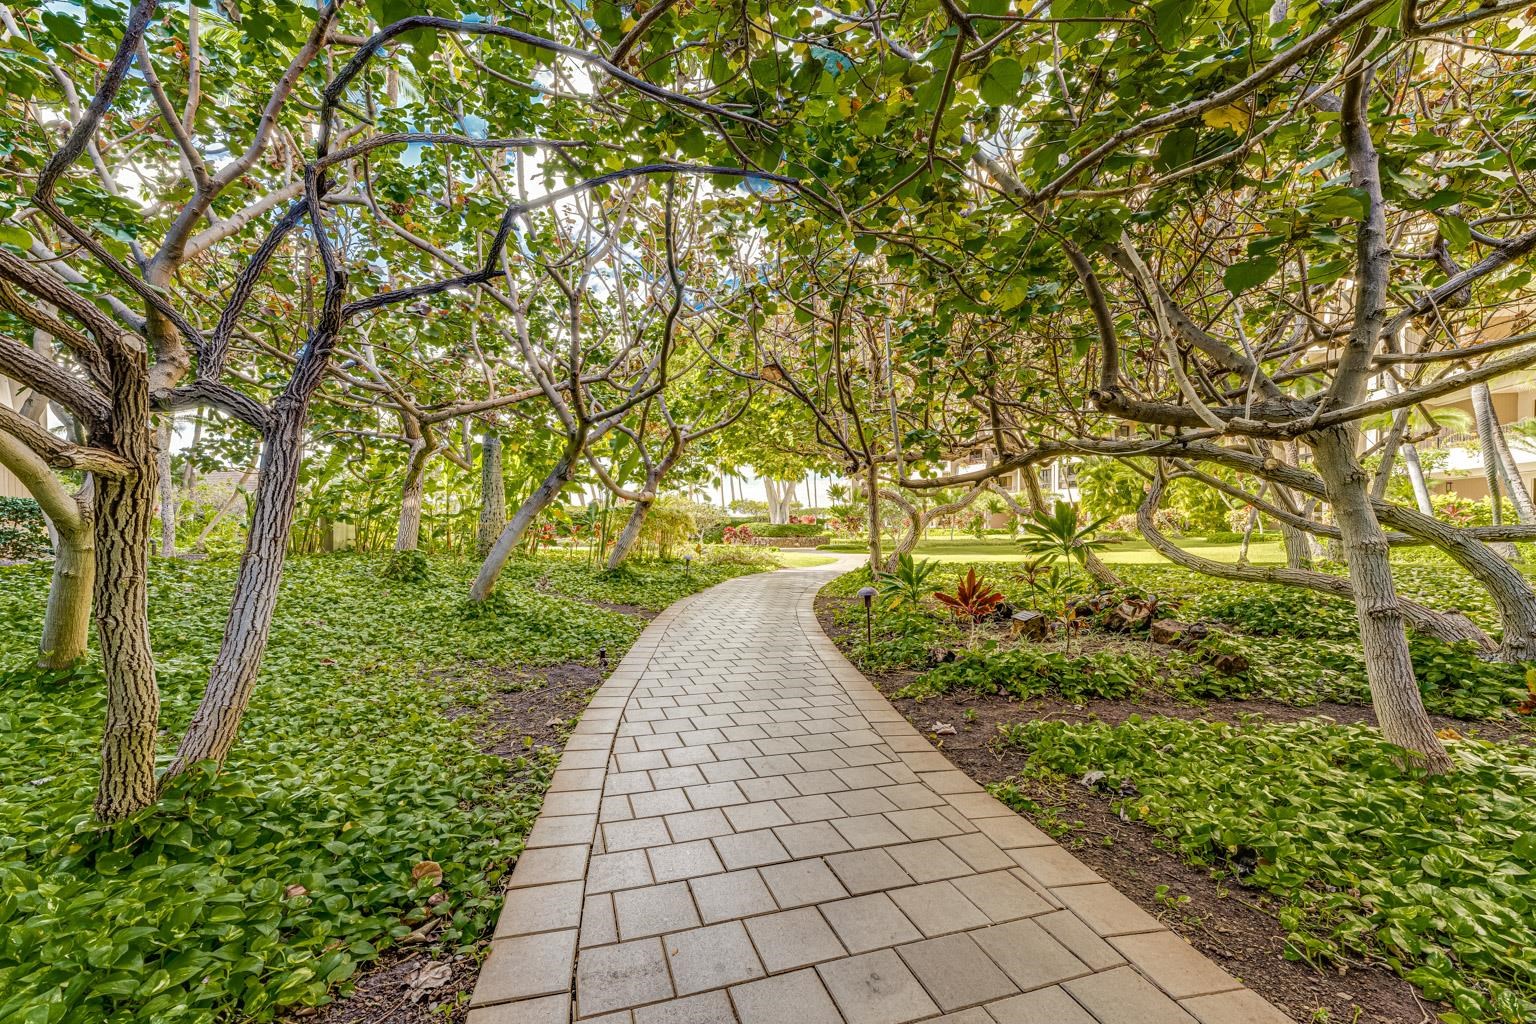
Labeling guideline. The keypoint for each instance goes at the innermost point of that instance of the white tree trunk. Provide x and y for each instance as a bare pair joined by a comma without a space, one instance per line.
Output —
1415,469
1487,423
781,495
1509,469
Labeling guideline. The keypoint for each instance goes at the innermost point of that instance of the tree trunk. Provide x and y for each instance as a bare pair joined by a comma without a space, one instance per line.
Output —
67,623
163,437
493,493
124,513
1242,552
1415,468
1449,627
1509,469
1482,410
542,497
1389,669
408,534
781,495
1298,547
1511,591
1507,586
919,520
630,534
1389,450
214,726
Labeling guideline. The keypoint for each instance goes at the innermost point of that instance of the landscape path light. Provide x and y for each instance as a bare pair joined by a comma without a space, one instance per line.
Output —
868,594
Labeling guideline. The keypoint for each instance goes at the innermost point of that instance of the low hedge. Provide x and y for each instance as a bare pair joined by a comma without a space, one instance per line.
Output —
761,529
714,534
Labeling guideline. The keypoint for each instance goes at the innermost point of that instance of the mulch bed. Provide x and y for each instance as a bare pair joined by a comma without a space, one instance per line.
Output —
1234,926
389,990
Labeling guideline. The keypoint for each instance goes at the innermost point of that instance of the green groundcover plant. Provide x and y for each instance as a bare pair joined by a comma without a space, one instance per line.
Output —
1294,646
1435,876
358,802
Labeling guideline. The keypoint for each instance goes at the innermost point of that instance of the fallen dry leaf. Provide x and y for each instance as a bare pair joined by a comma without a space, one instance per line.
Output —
428,977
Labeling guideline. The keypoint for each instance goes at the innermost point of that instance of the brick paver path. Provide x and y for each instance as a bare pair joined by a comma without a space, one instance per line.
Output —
743,829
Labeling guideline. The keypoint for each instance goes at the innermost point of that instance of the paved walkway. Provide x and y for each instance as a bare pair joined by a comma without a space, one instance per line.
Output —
742,829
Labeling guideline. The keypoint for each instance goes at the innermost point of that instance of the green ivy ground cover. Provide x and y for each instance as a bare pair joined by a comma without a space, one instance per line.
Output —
1434,876
361,757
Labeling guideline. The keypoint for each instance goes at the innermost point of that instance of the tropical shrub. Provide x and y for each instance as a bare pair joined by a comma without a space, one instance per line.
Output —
407,567
907,586
742,555
1459,511
23,530
669,526
973,600
1060,535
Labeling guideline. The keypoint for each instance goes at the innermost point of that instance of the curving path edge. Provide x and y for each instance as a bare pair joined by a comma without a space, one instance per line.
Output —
742,829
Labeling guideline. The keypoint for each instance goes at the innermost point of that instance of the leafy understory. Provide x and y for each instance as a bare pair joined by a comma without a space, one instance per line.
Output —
359,806
1433,875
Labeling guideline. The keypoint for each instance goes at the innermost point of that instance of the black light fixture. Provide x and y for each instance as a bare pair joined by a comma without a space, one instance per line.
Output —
868,594
688,564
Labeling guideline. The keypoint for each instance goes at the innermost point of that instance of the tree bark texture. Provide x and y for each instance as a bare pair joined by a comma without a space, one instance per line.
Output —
412,491
493,493
1450,627
1509,469
873,491
630,534
1482,411
542,497
67,622
1415,469
1389,669
215,725
124,512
